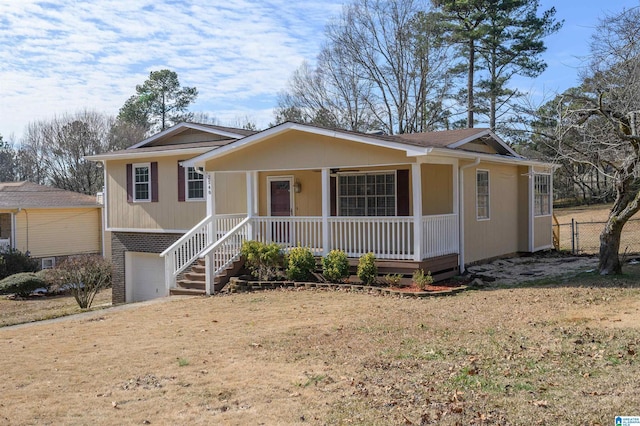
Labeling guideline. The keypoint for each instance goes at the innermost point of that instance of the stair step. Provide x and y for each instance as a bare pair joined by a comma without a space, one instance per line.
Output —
177,291
195,276
190,284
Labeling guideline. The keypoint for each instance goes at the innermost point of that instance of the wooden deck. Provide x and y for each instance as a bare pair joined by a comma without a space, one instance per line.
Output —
441,267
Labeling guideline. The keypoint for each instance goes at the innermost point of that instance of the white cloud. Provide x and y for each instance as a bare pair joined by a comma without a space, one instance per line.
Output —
72,55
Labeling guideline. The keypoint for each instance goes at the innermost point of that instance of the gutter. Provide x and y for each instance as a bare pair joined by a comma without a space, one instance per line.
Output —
461,212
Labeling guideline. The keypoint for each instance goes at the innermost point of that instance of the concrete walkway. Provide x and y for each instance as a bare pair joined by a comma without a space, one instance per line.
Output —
97,312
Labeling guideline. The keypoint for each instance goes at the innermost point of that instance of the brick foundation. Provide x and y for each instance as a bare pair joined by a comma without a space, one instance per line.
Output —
122,242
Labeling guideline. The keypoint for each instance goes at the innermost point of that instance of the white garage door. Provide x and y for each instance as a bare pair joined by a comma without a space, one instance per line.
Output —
144,276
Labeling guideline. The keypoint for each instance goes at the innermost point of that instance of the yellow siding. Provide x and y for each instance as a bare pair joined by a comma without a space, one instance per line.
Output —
478,147
166,214
296,150
543,236
437,189
499,234
231,193
59,232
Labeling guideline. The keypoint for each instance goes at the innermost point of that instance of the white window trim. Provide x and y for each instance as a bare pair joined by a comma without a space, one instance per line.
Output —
373,172
488,217
535,196
50,260
133,180
186,185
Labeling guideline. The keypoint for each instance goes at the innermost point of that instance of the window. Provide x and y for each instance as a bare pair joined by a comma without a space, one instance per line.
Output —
48,262
195,184
141,182
370,194
482,194
542,191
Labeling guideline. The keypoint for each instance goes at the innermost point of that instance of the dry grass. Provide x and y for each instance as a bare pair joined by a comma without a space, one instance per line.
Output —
552,354
17,311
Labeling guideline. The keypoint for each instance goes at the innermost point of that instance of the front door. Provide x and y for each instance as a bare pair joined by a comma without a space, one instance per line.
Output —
280,205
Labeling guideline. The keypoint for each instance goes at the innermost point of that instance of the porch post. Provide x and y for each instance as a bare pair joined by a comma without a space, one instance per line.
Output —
250,178
416,185
211,230
326,210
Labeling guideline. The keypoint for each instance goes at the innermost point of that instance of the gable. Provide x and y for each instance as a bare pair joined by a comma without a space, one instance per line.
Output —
189,136
295,149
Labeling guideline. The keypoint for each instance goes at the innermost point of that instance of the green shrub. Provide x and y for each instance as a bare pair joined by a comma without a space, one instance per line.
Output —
263,260
335,266
22,284
393,279
83,275
14,261
300,264
367,269
421,279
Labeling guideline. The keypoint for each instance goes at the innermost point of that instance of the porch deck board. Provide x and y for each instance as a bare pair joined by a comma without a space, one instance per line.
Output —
441,267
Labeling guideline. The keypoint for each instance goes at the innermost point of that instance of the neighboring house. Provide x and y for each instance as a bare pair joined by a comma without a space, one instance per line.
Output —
437,200
49,223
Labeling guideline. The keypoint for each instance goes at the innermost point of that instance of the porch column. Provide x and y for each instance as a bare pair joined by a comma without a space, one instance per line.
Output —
212,230
416,185
251,179
326,209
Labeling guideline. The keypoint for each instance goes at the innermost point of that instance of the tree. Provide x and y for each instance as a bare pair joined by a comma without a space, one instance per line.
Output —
383,67
83,275
7,161
602,117
159,102
52,151
507,36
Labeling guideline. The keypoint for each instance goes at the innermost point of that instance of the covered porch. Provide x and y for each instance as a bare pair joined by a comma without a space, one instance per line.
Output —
400,212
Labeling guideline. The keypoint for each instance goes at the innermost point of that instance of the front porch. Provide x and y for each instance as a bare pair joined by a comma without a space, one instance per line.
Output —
391,239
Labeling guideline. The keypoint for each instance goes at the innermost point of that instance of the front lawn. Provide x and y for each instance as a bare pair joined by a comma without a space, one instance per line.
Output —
560,353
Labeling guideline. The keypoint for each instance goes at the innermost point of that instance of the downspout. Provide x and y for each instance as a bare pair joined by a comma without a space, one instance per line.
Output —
461,212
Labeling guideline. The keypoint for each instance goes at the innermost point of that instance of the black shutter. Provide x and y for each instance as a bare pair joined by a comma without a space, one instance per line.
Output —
129,183
402,192
181,195
333,195
154,181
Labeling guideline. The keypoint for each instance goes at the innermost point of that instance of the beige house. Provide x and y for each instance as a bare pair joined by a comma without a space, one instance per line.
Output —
438,200
49,223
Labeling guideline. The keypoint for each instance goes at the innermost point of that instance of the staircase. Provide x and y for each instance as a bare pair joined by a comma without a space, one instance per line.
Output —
193,283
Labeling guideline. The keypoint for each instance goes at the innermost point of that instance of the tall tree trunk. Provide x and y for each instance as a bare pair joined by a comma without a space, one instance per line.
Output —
470,100
610,246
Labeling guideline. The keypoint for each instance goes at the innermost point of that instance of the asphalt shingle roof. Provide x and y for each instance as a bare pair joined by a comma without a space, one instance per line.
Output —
25,195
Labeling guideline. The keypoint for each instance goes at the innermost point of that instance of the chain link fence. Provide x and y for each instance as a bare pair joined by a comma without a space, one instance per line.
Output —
584,237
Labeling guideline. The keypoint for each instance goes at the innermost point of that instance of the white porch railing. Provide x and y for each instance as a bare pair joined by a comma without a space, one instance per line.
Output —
227,249
386,237
5,244
179,255
439,235
290,231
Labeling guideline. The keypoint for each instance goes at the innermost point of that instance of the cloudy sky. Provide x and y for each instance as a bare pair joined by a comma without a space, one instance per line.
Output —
61,56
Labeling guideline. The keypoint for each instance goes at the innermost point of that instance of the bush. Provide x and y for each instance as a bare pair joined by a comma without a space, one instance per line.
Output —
367,269
22,284
300,264
335,266
422,280
393,279
263,260
14,261
83,275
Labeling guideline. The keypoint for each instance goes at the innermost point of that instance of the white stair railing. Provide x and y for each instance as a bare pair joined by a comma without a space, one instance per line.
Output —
227,249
